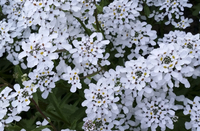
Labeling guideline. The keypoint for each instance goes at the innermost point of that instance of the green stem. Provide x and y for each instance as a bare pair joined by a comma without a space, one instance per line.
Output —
96,17
86,29
37,107
91,74
6,83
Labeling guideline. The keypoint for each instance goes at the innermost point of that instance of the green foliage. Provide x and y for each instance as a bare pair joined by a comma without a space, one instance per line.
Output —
99,8
146,10
28,124
13,128
18,74
62,107
196,10
105,2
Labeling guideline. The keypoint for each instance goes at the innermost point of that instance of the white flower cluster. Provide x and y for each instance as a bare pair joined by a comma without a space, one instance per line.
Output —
192,108
89,50
66,39
101,104
13,102
168,8
120,19
150,83
157,110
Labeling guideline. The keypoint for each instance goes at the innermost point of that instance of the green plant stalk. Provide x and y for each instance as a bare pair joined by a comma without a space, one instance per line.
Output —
6,83
102,31
90,75
37,107
87,30
96,17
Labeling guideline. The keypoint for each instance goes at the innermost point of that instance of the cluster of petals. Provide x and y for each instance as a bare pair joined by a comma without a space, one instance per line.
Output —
100,101
192,108
156,111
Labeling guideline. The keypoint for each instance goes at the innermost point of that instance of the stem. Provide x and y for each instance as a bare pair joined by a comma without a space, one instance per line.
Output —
91,74
88,31
62,50
6,83
37,107
96,17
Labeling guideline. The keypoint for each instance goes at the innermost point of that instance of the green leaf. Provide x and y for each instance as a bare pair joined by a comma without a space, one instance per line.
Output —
65,98
146,10
18,74
61,113
28,124
77,116
104,3
69,110
4,64
99,9
41,127
196,9
13,128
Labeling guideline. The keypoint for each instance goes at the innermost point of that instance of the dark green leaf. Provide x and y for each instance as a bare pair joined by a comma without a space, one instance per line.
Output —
18,73
41,127
28,124
76,116
99,8
13,128
146,10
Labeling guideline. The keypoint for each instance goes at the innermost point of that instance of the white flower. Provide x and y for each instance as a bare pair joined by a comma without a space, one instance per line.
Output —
72,5
137,74
170,7
43,123
167,61
121,11
13,116
39,48
155,111
184,23
192,108
104,60
88,49
72,77
99,99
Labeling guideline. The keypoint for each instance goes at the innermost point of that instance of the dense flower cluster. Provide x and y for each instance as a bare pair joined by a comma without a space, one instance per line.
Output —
128,72
157,110
192,108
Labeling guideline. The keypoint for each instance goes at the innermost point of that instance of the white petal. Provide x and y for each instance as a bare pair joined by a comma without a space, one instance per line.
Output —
76,8
114,106
125,109
188,125
22,55
148,90
9,120
167,77
73,89
45,94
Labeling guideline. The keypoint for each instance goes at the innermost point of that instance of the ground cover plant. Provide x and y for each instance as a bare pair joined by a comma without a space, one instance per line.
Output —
99,65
